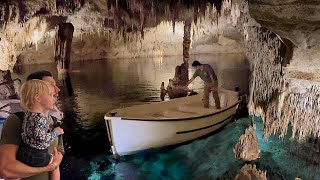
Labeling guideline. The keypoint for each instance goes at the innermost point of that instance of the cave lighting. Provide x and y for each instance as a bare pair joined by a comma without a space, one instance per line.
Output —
179,30
37,31
157,53
35,38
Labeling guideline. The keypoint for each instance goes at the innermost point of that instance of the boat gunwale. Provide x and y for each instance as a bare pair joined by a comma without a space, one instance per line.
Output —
173,119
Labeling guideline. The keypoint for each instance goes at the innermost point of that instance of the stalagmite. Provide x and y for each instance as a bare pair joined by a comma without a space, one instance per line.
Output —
63,46
247,148
249,171
186,41
186,53
177,86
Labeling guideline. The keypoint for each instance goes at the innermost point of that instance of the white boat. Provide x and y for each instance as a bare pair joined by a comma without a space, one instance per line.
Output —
147,126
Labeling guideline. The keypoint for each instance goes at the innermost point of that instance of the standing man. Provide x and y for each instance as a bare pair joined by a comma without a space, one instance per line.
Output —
10,167
206,73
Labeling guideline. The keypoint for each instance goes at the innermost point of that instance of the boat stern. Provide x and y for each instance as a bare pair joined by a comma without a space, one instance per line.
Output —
108,122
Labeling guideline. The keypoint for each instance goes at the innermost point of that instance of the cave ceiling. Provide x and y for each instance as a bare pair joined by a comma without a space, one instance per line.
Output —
124,15
296,20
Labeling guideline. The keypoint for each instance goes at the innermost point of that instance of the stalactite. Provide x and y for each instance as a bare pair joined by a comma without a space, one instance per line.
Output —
301,103
92,22
10,13
67,7
186,41
142,21
174,15
205,25
195,14
153,14
63,46
231,11
2,13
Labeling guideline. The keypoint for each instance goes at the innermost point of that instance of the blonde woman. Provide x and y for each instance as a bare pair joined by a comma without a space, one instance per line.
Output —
37,99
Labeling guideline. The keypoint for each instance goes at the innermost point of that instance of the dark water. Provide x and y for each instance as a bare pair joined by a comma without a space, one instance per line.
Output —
95,87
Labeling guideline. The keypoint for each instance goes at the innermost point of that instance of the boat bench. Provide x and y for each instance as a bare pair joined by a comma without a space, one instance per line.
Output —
195,110
173,113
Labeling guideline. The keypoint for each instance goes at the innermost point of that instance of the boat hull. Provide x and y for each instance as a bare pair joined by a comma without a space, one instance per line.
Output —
128,136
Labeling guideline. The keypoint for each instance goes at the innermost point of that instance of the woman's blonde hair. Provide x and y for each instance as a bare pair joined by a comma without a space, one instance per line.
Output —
29,90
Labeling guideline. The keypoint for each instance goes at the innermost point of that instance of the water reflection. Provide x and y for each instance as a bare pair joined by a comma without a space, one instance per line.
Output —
96,87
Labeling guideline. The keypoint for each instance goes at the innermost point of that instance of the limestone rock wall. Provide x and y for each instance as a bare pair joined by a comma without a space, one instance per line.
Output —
285,79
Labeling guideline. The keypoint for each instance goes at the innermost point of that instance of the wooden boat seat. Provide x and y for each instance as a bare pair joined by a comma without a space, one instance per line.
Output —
177,114
172,113
196,110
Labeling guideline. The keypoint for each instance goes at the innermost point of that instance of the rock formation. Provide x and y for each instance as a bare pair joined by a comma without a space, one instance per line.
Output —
247,148
177,86
63,46
294,94
250,172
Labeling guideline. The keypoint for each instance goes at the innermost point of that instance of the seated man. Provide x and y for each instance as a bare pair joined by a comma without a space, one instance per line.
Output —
10,167
175,91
